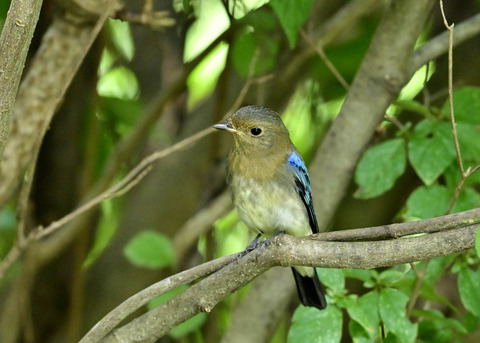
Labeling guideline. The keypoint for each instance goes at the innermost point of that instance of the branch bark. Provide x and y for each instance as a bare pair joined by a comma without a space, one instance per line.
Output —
289,251
382,74
63,48
14,43
438,45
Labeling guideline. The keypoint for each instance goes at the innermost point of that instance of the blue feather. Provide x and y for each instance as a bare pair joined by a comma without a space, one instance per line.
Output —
302,185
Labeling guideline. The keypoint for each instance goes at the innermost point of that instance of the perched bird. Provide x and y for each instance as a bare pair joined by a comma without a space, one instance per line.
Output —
270,187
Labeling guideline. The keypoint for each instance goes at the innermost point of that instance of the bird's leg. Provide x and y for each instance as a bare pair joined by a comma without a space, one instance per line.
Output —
250,247
268,241
253,244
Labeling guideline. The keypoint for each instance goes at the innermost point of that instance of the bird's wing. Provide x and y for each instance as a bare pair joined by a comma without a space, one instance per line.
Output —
302,185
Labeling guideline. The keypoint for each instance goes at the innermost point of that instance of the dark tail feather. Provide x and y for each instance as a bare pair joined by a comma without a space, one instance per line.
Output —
310,290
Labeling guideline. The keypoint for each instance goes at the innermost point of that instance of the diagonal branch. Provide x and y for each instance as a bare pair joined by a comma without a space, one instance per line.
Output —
438,45
15,40
381,76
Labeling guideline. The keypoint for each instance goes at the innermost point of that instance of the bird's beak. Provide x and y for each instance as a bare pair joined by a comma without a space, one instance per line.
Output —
224,126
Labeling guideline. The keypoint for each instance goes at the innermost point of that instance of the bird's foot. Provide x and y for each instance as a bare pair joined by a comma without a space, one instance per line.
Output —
267,242
252,246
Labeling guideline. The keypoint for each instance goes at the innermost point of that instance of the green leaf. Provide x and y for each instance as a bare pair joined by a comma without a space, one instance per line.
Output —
314,326
434,327
436,268
333,279
365,317
120,83
467,200
360,315
202,80
427,202
392,311
150,249
468,138
469,286
379,168
358,334
188,326
8,223
390,276
105,231
292,15
121,38
466,102
247,43
360,274
431,149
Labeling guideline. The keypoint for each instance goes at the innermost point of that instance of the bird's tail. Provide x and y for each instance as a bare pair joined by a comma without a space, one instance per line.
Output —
310,290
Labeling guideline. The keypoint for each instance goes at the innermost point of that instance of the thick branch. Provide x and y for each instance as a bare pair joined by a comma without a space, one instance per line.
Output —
289,251
455,220
63,48
381,76
14,43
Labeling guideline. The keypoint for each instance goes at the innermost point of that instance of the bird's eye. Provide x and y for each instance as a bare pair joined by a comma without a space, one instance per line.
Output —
256,131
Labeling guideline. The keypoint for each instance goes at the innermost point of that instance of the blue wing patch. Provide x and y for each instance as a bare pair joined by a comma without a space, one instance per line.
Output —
302,184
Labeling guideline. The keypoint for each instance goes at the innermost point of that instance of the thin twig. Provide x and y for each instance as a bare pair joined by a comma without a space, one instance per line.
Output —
417,287
321,53
450,89
463,174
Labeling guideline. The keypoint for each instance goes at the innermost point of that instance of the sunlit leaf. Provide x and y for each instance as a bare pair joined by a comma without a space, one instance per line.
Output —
380,167
150,249
119,82
211,21
121,38
417,82
106,229
202,80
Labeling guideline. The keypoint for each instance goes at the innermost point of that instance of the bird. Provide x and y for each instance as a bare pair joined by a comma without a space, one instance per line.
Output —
270,187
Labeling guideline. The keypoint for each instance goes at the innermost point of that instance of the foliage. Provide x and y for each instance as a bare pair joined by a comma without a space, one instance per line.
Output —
406,303
384,304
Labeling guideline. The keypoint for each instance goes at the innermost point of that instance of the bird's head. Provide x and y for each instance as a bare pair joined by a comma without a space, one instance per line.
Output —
256,130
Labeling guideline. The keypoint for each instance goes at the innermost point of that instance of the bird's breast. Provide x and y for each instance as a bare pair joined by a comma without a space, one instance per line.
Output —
269,207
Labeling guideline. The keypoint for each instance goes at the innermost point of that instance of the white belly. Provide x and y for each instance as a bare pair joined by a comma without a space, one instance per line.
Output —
270,209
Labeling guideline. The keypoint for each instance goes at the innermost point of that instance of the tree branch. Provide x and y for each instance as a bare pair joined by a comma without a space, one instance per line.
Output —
438,45
458,235
112,319
382,74
15,40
